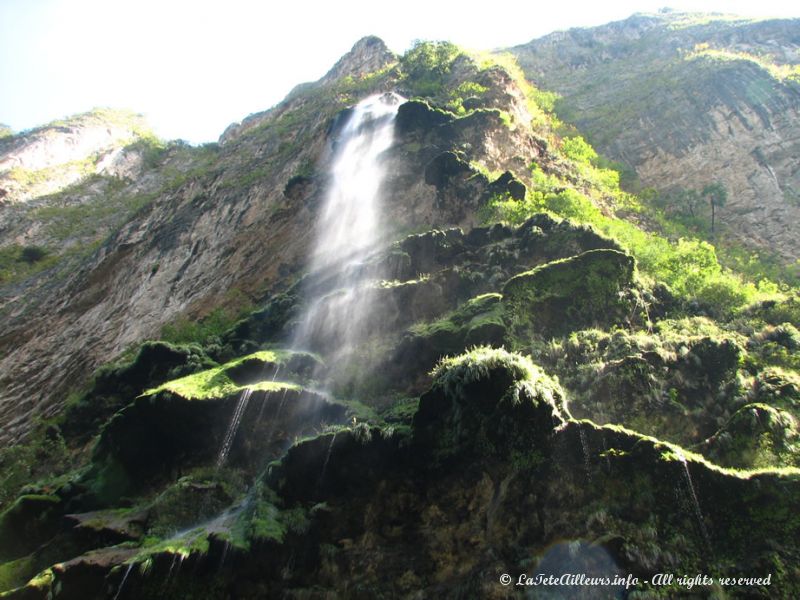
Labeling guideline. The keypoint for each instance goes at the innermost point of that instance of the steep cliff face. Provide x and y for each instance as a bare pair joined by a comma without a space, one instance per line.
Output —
466,420
221,226
50,158
686,100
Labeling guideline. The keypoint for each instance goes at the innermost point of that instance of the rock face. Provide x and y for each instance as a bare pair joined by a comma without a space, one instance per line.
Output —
576,292
494,477
50,158
692,101
368,55
209,227
429,458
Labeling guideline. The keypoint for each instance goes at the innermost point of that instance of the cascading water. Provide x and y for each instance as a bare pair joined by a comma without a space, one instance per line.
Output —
349,229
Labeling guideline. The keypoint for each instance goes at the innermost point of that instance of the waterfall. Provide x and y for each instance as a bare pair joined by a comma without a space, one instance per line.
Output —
348,230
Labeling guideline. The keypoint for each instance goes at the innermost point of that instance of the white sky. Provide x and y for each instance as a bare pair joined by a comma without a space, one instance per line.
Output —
195,66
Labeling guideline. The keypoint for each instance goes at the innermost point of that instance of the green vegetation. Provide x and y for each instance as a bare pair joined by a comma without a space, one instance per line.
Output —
576,148
454,374
479,316
28,178
209,329
75,221
573,292
468,89
104,116
216,382
717,198
426,67
658,336
780,72
689,267
20,262
436,70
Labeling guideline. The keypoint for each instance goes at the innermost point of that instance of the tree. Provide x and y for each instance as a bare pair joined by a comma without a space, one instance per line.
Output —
578,150
689,200
427,65
717,197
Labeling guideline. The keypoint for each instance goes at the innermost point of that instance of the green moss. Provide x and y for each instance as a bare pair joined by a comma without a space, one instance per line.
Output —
193,499
209,329
401,410
194,541
14,266
116,384
29,521
680,383
489,402
572,292
16,573
426,67
473,315
39,462
265,524
216,383
757,436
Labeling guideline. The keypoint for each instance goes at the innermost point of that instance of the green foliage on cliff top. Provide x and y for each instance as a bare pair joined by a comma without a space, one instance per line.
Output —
426,67
778,71
103,116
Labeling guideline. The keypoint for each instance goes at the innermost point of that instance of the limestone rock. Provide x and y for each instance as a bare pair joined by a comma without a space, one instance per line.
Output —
572,293
693,101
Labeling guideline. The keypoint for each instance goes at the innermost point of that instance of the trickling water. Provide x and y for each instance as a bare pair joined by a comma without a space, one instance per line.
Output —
124,579
695,501
226,545
264,401
327,459
274,423
605,453
169,573
349,228
241,406
585,447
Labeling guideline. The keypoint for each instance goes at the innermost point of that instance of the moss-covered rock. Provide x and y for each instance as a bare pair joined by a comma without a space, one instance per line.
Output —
115,386
757,436
479,321
419,115
678,386
488,401
337,463
240,411
108,527
267,324
31,520
777,387
432,250
572,293
447,166
165,434
509,184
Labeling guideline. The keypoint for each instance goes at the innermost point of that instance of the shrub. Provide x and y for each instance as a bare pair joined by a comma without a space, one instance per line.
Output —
427,65
32,254
577,149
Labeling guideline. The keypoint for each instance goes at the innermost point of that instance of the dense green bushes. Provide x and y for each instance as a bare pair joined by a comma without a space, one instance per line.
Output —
689,267
427,66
